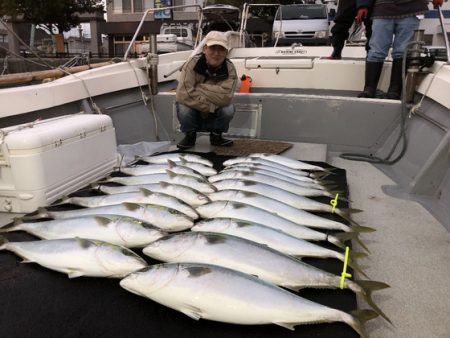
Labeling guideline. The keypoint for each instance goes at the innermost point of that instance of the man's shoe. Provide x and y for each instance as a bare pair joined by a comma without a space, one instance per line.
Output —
216,139
188,141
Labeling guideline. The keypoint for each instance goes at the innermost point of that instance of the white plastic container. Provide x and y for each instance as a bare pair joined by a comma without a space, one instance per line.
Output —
48,159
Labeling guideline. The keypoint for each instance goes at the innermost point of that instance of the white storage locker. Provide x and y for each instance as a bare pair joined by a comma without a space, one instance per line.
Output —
48,159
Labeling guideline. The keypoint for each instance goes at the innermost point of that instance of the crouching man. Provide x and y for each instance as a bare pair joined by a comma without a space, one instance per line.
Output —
205,88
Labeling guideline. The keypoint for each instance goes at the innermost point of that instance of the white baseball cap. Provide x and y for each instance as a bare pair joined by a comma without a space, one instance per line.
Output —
216,38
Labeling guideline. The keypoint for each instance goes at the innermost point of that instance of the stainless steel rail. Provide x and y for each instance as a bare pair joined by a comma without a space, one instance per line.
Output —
151,10
444,33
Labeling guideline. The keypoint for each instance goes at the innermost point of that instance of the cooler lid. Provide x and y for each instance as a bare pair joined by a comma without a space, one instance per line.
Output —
54,131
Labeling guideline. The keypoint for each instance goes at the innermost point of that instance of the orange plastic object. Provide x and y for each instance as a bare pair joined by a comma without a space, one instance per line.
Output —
246,82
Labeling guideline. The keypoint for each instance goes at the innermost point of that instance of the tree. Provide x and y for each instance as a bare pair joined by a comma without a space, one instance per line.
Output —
59,14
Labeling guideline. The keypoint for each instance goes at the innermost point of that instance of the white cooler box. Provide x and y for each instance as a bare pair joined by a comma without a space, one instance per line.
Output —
48,159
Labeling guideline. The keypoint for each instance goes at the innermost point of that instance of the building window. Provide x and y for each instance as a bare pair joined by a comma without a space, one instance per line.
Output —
137,6
126,6
132,6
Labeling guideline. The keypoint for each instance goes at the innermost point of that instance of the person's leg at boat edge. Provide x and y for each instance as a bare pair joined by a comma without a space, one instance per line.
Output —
220,122
189,124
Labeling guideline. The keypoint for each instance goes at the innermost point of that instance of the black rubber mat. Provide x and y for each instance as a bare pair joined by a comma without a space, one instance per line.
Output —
37,302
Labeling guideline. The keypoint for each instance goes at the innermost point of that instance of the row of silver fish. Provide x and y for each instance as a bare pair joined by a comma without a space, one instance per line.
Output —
244,233
93,241
250,233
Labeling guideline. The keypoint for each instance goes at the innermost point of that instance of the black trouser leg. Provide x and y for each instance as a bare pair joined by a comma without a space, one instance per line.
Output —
339,32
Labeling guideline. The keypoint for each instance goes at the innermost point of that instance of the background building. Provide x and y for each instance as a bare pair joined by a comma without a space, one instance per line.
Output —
123,17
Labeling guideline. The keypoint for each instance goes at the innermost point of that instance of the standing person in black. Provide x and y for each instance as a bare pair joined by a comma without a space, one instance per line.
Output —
343,21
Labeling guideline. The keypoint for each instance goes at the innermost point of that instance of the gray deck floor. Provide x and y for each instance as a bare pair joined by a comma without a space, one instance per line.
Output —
410,251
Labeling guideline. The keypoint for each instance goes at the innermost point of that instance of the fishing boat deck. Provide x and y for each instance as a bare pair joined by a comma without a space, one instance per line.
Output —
407,250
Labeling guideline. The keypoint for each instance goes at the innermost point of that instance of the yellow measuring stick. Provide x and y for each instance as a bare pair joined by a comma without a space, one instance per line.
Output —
344,271
334,203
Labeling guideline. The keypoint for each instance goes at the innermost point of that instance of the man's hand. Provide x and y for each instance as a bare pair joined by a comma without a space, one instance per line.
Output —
437,3
362,12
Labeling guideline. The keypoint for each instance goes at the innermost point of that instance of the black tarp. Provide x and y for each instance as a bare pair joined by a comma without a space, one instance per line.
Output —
37,302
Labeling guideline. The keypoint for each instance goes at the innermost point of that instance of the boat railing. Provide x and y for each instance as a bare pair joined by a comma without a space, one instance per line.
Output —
141,23
444,33
245,16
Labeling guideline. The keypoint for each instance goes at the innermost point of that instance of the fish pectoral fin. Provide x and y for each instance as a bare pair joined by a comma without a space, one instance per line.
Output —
191,311
289,326
26,260
295,288
74,273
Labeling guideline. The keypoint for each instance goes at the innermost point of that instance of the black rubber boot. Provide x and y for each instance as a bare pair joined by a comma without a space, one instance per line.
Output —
216,139
395,87
188,141
373,72
336,55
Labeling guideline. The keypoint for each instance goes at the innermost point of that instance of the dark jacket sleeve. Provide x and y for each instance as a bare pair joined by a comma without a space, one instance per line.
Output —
364,3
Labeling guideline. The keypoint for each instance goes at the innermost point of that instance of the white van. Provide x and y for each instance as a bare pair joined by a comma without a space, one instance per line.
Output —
307,24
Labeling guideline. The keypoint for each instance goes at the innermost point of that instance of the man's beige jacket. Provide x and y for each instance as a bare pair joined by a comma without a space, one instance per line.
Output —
205,94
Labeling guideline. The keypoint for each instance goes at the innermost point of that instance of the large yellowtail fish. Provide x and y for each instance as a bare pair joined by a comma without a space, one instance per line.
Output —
257,162
277,159
143,196
224,295
252,258
118,230
175,157
280,182
167,219
289,198
284,210
288,162
245,212
77,256
201,185
273,238
138,170
186,194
